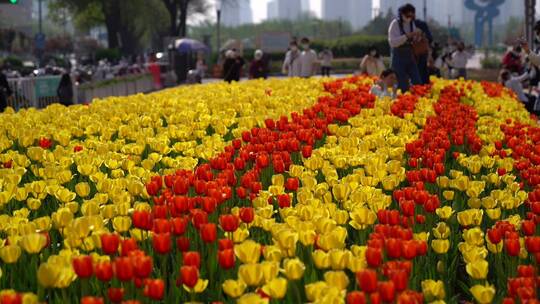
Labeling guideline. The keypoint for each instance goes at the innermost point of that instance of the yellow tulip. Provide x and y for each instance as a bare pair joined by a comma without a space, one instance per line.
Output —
445,212
276,288
474,236
294,268
10,253
314,290
62,217
198,288
337,278
307,237
33,243
270,270
251,274
48,275
448,195
441,231
121,224
82,189
321,259
483,294
478,269
248,252
433,290
272,253
440,246
340,192
252,298
234,288
362,217
30,298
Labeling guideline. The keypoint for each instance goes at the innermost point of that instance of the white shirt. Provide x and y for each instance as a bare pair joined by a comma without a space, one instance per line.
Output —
292,65
307,60
459,59
515,84
326,58
395,37
380,90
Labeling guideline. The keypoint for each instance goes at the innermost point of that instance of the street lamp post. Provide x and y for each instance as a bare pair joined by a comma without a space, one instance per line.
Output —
529,20
218,24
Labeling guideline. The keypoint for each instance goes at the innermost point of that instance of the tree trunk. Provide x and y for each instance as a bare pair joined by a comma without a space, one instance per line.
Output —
182,27
111,12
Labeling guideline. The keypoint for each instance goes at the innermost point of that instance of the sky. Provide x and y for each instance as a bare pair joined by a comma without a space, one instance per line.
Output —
259,8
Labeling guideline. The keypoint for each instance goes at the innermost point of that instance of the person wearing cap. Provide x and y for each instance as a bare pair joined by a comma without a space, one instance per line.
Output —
258,67
232,67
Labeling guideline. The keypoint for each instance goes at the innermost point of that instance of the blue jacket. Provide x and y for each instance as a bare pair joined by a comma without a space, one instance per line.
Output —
425,28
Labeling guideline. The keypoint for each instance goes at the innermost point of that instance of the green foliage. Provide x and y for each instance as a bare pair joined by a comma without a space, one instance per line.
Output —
12,61
306,25
354,46
491,62
109,54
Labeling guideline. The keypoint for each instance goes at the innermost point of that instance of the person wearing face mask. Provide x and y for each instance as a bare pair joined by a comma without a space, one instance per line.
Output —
292,66
232,67
459,61
372,64
512,60
402,33
308,59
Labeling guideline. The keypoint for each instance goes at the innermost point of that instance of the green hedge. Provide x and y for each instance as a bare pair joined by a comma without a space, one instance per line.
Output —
354,46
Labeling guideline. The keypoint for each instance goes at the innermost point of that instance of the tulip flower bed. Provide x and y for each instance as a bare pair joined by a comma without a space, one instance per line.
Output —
286,191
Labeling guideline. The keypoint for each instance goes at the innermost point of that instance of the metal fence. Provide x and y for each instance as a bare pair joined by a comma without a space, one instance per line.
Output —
39,92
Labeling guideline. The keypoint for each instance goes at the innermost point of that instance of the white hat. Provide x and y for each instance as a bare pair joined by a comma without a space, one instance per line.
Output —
258,54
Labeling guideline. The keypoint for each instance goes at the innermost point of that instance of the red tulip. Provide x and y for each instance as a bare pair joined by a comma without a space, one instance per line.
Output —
247,214
179,225
393,248
152,188
199,217
229,222
532,243
226,258
161,225
116,295
160,211
375,298
182,243
526,270
356,297
209,204
512,246
110,243
11,298
83,266
528,227
142,266
189,276
408,249
128,245
237,143
400,278
142,220
208,232
77,148
161,243
192,258
104,271
494,235
387,291
241,192
225,244
45,143
154,289
367,280
373,257
291,184
284,200
123,268
92,300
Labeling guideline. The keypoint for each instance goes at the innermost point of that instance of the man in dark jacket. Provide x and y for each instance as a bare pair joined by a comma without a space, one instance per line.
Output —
422,60
5,91
232,67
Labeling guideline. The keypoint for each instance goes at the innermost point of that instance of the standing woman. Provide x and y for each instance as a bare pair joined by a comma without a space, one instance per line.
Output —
65,90
372,63
292,65
402,33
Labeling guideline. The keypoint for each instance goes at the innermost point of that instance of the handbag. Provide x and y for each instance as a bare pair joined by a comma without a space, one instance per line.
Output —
421,46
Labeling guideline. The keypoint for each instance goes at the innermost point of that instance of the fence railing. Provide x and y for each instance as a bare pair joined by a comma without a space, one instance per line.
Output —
39,92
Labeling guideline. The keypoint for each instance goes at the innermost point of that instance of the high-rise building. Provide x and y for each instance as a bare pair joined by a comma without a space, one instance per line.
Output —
286,9
235,13
272,10
356,12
